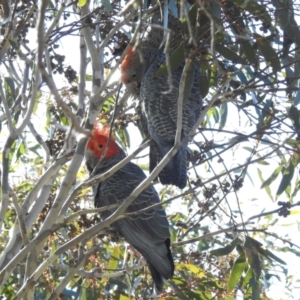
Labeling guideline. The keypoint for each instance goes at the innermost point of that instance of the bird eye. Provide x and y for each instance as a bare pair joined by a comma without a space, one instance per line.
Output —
100,146
133,75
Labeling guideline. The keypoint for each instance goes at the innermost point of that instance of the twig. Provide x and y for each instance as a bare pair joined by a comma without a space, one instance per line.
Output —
271,212
57,16
212,36
82,72
96,274
41,142
141,211
20,218
180,101
4,178
97,66
5,44
6,108
71,272
282,239
45,75
89,211
208,235
15,242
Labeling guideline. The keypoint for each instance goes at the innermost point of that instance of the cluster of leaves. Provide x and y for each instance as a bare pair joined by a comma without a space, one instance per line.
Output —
247,55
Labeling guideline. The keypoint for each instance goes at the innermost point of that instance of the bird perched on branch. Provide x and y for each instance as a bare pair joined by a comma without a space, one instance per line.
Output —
148,232
159,101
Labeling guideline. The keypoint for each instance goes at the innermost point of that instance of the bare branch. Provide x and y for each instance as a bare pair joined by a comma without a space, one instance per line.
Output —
45,75
20,218
6,107
71,272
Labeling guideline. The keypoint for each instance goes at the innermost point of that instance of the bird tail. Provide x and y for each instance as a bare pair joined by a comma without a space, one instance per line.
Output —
175,172
157,278
158,255
161,264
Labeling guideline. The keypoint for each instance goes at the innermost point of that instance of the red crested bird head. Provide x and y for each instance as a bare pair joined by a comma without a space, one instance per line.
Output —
126,66
132,69
98,141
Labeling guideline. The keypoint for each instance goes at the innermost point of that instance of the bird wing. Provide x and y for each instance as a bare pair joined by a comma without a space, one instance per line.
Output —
161,108
148,232
153,223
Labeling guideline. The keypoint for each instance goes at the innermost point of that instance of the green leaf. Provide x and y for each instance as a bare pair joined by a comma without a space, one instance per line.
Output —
255,289
176,282
114,259
249,52
107,5
12,151
82,3
267,188
258,11
293,143
117,282
203,82
265,252
107,106
254,242
54,247
123,297
179,281
247,278
64,120
15,45
263,162
10,90
203,31
123,137
127,137
88,77
273,176
192,268
237,270
24,187
192,15
48,119
203,246
214,113
213,76
227,249
223,113
250,149
289,250
10,82
37,102
296,190
250,248
175,59
294,114
230,55
83,291
269,53
21,150
269,254
266,114
287,176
